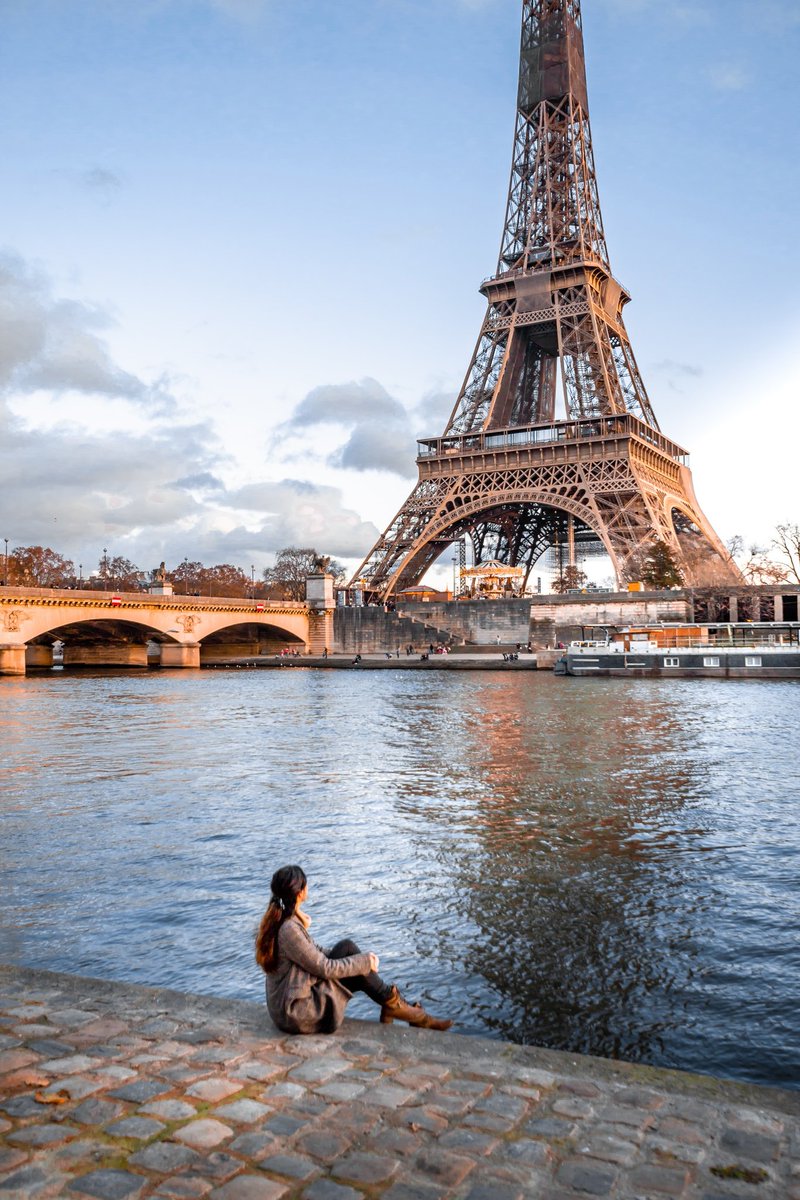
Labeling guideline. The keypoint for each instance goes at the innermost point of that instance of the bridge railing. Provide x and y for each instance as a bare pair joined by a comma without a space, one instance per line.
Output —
149,599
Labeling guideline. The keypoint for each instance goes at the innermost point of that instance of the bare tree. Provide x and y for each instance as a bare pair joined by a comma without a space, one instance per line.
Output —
755,563
224,580
187,578
293,565
39,566
121,573
760,569
787,543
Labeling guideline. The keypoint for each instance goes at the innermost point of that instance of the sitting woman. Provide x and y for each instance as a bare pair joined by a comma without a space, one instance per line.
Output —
307,989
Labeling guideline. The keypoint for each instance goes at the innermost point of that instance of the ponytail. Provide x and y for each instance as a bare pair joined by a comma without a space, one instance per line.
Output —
267,937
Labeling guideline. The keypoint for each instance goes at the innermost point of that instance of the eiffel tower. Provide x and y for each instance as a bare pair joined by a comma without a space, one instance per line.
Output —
509,473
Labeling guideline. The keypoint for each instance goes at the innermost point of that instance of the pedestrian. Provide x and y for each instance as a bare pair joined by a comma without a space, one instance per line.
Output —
308,989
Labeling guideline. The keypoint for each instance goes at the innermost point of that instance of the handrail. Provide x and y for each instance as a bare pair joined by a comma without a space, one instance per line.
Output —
617,645
480,441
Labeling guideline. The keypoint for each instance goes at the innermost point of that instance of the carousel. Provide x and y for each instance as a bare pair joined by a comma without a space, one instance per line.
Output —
492,580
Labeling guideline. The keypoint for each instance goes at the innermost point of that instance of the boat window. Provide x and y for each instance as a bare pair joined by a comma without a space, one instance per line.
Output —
672,662
752,660
710,662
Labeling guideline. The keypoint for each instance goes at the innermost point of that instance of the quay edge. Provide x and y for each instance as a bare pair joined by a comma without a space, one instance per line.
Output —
448,1115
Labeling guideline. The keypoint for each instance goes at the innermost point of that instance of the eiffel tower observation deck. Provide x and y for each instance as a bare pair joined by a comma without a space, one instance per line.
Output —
553,441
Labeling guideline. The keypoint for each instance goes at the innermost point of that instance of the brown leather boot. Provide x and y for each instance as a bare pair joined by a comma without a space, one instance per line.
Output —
396,1008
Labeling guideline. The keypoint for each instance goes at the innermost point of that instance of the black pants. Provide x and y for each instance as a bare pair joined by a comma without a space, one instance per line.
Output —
372,984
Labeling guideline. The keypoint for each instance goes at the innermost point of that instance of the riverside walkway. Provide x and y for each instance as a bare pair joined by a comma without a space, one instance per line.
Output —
117,1092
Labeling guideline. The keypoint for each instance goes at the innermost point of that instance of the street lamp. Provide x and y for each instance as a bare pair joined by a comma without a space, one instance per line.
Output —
80,575
105,568
5,568
252,581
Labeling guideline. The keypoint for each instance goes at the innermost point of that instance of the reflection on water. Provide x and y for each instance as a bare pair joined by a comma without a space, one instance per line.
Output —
608,866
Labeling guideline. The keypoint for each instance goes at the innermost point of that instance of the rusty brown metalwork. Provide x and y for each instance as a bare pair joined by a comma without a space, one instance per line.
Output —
508,472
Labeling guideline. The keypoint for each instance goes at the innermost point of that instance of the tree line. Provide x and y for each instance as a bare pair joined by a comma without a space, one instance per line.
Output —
41,566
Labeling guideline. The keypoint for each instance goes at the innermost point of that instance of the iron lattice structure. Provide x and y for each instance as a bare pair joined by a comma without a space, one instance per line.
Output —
506,472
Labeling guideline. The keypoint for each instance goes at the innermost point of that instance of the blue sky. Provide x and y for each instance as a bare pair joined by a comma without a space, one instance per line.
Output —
240,244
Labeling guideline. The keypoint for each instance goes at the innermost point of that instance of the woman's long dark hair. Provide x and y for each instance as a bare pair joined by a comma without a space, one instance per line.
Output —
287,884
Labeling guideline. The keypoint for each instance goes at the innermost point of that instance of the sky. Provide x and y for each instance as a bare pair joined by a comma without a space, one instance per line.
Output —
241,242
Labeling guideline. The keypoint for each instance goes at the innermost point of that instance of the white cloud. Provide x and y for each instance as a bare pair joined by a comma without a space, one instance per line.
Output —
158,493
57,345
382,432
296,512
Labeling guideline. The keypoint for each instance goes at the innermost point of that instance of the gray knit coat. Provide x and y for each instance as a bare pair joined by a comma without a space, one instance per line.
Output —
304,992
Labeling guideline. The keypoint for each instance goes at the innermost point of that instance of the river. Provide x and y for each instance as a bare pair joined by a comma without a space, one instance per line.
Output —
603,865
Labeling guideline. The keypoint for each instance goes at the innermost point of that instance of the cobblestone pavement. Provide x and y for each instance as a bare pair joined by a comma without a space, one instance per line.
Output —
118,1092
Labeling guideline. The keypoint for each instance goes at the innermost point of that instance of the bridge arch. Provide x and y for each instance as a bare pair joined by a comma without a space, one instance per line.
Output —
459,518
240,639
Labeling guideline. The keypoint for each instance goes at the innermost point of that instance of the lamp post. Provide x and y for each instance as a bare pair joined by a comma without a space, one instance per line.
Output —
5,565
80,575
252,581
105,568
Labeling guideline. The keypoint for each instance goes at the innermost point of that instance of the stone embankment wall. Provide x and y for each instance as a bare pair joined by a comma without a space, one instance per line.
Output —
541,620
482,622
370,630
546,620
567,618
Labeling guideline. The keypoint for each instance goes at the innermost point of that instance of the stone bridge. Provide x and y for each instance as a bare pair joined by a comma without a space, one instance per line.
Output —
137,629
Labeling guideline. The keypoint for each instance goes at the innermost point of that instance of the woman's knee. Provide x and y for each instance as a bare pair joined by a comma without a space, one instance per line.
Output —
344,949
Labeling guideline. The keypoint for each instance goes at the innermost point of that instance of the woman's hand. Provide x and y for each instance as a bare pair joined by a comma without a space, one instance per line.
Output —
374,962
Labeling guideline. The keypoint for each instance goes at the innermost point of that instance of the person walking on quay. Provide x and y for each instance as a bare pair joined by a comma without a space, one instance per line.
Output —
308,989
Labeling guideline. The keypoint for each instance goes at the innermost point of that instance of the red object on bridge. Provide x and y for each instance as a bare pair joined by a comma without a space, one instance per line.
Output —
116,601
259,608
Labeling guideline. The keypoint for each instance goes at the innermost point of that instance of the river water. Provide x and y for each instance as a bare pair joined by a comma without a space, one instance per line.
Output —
602,865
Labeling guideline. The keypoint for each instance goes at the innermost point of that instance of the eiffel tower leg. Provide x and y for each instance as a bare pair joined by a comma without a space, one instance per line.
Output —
627,491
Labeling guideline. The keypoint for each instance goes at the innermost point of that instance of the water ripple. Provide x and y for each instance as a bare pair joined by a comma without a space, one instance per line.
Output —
608,866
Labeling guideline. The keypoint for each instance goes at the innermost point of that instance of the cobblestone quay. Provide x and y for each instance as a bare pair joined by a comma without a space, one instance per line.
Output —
118,1092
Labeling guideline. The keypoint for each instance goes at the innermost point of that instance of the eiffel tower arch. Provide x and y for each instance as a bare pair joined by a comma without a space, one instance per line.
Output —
515,472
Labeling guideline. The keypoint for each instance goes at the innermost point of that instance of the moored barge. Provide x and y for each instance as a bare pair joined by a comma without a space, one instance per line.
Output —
734,651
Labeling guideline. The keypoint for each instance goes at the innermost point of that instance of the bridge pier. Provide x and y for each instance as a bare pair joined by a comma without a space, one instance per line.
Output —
39,655
180,654
321,607
214,651
12,660
123,655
